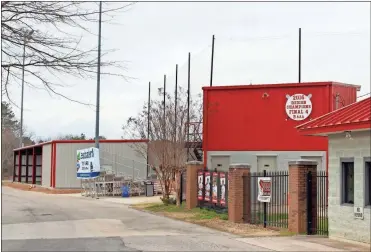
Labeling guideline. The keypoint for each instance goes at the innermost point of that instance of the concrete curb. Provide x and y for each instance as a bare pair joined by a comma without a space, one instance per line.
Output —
38,188
205,226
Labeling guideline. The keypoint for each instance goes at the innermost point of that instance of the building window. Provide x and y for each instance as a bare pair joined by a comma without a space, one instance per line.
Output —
347,167
367,181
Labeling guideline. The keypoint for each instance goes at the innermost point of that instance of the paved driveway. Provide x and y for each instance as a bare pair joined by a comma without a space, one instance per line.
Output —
40,222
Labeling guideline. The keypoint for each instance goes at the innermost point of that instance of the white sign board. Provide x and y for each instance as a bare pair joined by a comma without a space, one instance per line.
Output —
88,165
264,189
358,213
298,106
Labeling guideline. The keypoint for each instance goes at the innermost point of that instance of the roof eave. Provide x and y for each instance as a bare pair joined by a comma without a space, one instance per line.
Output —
84,141
333,129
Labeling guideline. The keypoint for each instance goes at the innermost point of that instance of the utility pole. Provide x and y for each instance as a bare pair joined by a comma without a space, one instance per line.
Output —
164,122
212,62
175,113
27,36
299,55
148,125
188,100
98,79
176,100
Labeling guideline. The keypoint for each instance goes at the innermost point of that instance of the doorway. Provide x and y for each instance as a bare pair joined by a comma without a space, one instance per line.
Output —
268,163
220,163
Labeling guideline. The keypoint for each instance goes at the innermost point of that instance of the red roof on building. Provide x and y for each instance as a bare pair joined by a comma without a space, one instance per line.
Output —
356,116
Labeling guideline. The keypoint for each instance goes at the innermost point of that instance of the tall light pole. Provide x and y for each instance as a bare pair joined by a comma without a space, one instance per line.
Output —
98,80
27,36
299,55
212,61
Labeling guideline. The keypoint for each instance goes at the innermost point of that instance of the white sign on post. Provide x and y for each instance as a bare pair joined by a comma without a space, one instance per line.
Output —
358,213
264,189
88,164
298,106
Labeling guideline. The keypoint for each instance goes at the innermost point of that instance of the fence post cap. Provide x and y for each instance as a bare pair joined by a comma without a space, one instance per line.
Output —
194,162
239,165
303,162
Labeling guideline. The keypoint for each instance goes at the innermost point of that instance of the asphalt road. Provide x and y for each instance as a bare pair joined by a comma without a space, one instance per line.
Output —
39,222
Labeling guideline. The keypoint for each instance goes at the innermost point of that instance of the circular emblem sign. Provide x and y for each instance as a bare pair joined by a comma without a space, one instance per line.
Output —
298,106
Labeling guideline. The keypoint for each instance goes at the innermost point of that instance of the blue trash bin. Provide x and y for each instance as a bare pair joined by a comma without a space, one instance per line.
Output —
125,191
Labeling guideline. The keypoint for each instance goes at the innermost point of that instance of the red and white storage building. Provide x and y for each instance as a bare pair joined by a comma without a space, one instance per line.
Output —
53,164
255,124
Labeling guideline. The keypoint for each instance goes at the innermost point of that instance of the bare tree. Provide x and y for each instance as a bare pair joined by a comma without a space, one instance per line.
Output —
167,134
42,30
8,143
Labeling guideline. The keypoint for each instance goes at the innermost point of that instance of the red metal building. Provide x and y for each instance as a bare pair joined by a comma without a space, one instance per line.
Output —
255,124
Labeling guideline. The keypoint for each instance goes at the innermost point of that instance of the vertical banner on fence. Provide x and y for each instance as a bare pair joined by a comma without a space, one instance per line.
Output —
222,188
215,188
200,185
207,186
264,189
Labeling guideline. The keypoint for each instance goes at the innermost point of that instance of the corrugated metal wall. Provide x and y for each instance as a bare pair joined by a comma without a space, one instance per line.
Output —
122,157
46,165
119,156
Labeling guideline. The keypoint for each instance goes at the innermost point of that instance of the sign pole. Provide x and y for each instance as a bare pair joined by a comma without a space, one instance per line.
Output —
98,80
265,205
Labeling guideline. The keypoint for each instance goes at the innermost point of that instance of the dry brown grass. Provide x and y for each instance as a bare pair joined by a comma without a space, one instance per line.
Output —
27,187
207,219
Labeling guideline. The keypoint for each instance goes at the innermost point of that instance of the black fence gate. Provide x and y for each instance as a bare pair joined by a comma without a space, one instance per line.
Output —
317,203
273,213
183,186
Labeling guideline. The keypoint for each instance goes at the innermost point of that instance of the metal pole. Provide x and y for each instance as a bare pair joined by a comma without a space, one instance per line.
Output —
148,124
175,112
98,79
265,206
212,62
22,95
133,170
299,55
188,100
164,122
176,100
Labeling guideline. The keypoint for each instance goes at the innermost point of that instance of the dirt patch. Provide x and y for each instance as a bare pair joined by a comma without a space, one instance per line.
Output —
29,187
241,229
208,219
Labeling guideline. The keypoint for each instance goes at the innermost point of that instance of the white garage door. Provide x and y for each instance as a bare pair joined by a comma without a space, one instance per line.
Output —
221,163
268,163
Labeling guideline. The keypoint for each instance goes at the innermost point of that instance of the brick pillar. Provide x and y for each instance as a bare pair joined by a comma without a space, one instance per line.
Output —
236,204
191,188
298,170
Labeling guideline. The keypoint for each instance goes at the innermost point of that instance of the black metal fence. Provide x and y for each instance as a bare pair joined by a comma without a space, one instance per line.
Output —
317,207
183,186
212,190
273,213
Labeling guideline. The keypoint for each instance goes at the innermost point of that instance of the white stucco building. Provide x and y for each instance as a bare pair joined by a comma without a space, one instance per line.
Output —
349,197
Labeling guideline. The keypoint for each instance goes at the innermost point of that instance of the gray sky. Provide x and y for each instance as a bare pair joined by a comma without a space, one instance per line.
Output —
255,42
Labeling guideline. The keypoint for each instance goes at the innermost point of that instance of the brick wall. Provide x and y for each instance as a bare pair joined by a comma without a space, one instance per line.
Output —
341,218
298,195
191,188
235,192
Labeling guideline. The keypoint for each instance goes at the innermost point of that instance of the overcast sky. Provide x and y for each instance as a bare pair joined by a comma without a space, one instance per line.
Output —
255,43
